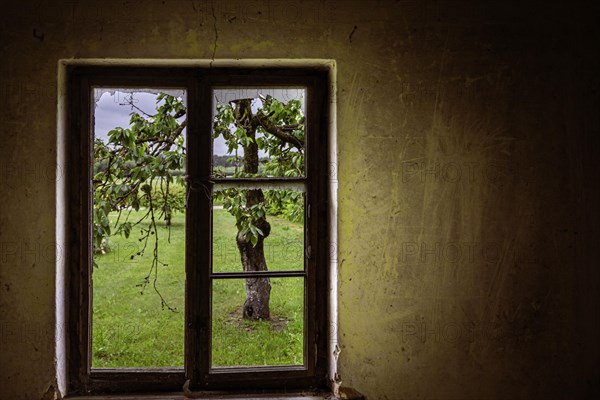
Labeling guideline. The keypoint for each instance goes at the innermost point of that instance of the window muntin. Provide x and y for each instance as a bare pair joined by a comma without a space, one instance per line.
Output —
200,370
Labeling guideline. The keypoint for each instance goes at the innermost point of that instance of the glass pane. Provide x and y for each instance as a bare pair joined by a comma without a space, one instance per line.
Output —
268,235
258,132
239,339
138,233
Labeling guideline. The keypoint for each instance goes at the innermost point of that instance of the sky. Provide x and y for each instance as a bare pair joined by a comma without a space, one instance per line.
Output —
111,110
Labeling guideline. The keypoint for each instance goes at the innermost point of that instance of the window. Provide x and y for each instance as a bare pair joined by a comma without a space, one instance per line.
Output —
254,254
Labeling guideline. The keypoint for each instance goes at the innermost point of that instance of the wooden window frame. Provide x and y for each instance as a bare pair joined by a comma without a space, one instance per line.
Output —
199,83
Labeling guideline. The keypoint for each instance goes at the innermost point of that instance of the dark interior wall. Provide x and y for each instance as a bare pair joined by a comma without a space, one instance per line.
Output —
467,170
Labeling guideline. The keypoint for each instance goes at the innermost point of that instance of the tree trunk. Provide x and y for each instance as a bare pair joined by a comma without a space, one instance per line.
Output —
258,290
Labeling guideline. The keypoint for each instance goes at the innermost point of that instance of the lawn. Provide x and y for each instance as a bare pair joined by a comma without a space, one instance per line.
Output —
131,329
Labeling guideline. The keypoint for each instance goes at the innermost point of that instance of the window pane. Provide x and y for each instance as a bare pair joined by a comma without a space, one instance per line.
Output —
138,228
268,235
258,132
238,340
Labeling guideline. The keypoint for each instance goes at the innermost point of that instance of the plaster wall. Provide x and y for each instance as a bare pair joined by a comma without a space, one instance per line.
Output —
467,164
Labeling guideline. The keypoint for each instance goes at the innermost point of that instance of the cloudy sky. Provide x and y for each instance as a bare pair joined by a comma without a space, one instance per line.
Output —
113,111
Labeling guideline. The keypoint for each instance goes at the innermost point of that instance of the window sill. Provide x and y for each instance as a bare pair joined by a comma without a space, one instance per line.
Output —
179,396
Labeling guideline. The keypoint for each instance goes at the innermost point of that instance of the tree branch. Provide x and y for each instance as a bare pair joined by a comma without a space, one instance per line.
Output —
278,132
171,138
130,102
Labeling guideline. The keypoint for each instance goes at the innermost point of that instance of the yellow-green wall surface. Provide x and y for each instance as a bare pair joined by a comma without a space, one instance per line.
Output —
467,169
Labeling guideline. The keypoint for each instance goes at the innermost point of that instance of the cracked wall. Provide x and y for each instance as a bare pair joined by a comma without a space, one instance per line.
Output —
468,155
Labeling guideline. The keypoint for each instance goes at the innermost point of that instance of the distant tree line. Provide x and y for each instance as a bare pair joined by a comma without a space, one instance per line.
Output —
226,161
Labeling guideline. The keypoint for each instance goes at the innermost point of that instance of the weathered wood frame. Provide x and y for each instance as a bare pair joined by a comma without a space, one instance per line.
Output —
199,83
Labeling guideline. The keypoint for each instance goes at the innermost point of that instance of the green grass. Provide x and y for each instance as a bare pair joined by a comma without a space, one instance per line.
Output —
239,342
284,248
131,329
228,171
231,170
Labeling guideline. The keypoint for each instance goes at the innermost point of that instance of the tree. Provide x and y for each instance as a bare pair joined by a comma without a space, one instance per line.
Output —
138,166
276,129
